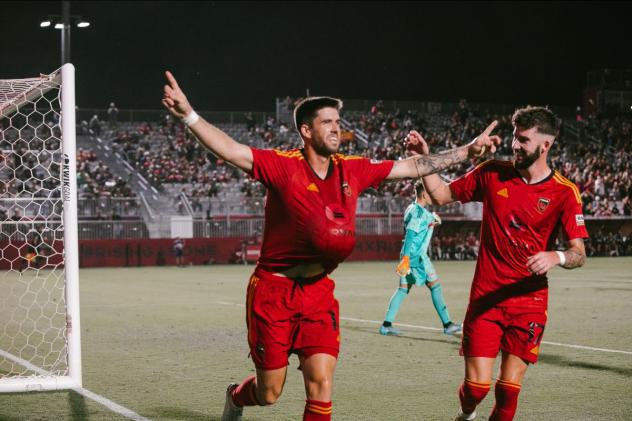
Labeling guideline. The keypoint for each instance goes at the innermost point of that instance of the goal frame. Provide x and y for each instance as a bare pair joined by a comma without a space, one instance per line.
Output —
42,380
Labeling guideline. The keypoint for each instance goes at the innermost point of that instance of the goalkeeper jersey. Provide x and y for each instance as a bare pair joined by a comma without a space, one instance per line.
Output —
418,232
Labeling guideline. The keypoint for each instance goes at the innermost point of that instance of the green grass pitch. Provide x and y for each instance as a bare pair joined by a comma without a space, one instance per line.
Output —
164,342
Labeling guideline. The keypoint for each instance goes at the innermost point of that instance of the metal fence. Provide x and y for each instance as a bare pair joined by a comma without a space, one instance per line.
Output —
247,228
18,231
227,227
106,206
253,206
112,230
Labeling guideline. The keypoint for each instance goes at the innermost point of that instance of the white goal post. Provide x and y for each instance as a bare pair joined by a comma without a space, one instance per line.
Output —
40,330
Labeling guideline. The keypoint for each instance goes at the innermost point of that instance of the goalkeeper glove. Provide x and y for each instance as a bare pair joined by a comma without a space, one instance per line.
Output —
403,268
437,218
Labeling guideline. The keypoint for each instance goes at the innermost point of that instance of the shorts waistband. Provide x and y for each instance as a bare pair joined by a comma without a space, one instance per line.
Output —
301,274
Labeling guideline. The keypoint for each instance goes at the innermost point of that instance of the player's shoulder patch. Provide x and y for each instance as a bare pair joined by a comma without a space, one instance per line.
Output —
560,179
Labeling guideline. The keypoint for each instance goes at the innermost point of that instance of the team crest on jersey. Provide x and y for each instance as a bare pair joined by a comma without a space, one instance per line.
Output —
543,203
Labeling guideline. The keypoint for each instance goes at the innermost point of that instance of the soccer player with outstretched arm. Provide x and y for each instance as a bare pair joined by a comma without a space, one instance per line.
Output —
525,203
309,230
415,267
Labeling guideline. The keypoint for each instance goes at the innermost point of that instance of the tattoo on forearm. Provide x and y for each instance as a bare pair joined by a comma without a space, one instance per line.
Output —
430,164
574,259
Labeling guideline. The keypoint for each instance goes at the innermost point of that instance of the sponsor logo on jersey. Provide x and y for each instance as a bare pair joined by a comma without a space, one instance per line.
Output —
543,203
503,192
579,219
313,187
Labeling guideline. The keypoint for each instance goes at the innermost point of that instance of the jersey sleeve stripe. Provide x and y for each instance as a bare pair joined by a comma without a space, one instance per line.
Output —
295,153
565,182
493,161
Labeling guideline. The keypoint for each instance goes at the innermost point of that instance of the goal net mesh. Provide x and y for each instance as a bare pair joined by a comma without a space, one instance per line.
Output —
33,327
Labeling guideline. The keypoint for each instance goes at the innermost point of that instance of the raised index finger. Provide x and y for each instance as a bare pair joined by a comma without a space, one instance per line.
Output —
490,128
172,80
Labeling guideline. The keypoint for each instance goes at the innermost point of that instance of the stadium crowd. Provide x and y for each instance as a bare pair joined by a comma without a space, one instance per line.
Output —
165,153
595,158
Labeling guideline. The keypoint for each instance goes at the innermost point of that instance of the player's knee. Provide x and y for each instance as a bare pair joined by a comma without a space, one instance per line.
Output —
269,395
320,388
432,284
405,288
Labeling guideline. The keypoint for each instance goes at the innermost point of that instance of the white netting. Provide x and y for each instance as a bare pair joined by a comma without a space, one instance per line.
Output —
33,331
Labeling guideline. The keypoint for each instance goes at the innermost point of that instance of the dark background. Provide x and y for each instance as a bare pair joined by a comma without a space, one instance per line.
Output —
241,55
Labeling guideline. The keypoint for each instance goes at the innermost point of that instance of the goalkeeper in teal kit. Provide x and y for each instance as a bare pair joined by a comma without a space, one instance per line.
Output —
415,267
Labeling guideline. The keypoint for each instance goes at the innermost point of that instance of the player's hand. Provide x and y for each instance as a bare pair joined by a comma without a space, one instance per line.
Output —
437,218
415,144
174,99
540,263
484,142
403,268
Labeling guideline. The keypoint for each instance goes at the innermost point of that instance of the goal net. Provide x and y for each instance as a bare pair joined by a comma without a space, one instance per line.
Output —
39,291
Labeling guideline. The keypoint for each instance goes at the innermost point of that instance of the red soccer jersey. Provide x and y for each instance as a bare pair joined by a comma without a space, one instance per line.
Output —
519,220
307,219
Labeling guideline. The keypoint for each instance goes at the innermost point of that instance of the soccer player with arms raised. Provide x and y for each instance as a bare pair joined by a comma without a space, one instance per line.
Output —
524,205
309,229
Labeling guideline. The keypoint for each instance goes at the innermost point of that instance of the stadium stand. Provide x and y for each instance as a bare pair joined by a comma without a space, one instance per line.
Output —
592,152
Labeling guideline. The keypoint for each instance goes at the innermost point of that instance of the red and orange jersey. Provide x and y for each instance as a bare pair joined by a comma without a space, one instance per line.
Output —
308,219
519,220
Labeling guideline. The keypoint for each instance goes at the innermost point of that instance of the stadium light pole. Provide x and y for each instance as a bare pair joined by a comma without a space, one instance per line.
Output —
63,22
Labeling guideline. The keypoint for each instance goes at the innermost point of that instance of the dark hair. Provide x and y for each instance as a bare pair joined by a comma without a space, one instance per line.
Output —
541,117
307,109
419,188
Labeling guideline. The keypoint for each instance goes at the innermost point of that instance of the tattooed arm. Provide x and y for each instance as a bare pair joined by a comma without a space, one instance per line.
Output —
422,165
574,256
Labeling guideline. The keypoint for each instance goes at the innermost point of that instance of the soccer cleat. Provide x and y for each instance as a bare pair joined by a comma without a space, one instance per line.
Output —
389,331
465,417
231,412
452,328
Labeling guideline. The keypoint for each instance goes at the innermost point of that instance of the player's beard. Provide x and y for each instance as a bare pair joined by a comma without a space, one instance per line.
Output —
323,148
527,159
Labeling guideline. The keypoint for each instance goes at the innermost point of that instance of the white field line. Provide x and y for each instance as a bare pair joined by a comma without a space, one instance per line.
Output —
352,319
112,406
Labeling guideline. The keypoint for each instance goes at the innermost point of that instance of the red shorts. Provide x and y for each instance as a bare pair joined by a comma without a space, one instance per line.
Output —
284,317
516,330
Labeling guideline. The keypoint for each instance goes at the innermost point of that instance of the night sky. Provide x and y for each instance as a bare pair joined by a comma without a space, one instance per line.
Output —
241,55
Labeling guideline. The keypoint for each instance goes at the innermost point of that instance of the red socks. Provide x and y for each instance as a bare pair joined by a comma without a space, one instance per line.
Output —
471,394
506,401
244,394
317,411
